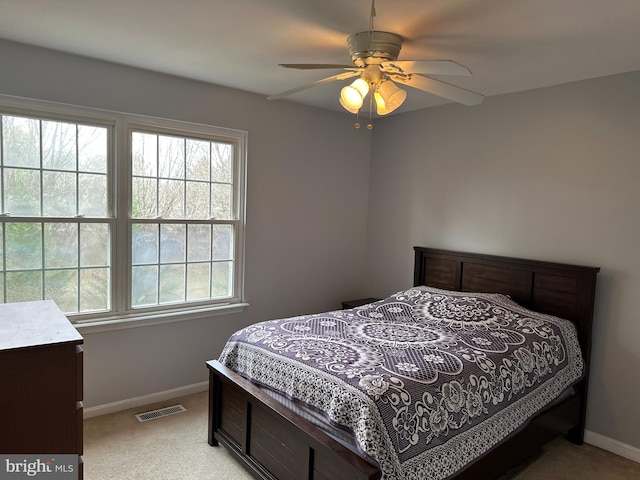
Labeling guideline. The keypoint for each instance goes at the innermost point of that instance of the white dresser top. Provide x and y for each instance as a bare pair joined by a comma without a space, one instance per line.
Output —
37,323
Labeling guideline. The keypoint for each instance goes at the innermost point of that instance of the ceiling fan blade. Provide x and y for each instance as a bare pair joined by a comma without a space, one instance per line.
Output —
340,76
442,89
430,67
313,66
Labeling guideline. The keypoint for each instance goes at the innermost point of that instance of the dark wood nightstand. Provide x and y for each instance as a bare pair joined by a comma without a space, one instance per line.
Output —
358,302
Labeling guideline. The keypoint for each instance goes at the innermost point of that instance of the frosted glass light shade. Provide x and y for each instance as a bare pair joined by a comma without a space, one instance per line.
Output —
347,107
388,97
353,95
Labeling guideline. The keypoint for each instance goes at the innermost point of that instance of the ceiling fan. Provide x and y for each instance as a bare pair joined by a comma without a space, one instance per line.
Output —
374,55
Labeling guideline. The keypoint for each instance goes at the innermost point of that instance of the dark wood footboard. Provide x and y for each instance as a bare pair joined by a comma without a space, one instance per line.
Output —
271,440
275,443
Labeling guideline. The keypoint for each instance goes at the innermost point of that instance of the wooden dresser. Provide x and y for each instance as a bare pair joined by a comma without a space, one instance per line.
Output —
40,381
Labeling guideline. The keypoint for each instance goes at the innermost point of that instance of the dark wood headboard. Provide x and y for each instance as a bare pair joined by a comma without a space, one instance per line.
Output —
566,291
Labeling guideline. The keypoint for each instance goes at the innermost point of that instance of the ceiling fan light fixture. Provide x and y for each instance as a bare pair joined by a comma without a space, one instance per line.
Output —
388,97
352,96
377,68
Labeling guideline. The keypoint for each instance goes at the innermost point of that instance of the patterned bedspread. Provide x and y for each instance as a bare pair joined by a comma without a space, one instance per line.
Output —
427,380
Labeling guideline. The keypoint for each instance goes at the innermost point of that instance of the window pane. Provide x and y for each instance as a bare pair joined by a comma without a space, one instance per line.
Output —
58,145
198,275
144,154
59,194
198,160
95,245
94,289
222,279
20,141
145,244
171,199
93,195
144,286
222,242
197,200
21,192
171,161
172,243
24,246
199,243
60,245
221,201
144,198
61,286
92,149
222,162
172,283
24,286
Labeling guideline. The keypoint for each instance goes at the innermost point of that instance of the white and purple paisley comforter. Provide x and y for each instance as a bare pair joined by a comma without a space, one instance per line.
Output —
427,380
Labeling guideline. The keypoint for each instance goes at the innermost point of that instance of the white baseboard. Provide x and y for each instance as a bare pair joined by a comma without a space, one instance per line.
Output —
611,445
145,400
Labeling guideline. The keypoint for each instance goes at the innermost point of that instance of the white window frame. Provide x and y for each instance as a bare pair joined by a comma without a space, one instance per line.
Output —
119,172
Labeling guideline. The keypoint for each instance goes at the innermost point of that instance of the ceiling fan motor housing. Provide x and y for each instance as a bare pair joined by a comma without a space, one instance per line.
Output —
373,48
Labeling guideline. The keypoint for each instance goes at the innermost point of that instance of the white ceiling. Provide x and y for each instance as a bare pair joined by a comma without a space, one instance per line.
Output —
509,45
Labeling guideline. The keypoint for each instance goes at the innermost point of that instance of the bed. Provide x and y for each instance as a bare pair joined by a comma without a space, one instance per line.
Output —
277,439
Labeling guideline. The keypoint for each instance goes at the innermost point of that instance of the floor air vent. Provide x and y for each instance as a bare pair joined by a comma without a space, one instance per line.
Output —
162,412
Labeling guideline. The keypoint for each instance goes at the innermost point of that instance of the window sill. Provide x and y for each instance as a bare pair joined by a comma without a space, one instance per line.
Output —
134,321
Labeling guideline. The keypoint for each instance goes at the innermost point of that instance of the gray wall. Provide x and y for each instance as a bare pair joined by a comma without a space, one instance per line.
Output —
306,210
550,174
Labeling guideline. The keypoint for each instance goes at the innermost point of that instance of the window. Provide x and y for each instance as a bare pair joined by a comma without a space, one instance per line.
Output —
120,217
183,221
